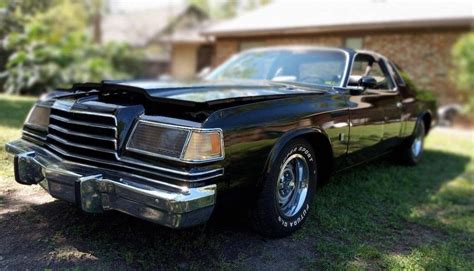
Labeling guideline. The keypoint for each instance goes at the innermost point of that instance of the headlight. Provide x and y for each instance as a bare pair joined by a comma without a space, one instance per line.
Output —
38,118
176,143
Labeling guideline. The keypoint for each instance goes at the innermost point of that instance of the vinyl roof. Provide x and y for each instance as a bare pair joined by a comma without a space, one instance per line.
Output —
324,16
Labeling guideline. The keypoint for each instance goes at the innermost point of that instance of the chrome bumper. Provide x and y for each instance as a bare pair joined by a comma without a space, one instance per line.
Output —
96,189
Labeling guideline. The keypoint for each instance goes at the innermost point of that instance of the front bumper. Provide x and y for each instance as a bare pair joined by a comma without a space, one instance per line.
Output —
96,189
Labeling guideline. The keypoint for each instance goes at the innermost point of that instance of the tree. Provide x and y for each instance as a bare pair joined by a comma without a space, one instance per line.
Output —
201,4
53,50
95,10
227,8
18,12
463,72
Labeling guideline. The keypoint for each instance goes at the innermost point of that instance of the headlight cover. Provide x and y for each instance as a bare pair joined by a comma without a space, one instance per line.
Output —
184,144
38,118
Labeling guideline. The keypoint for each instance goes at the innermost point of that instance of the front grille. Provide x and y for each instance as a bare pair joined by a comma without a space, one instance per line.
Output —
83,134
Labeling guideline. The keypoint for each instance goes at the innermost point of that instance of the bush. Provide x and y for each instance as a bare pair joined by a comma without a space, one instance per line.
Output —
463,73
37,65
425,95
52,50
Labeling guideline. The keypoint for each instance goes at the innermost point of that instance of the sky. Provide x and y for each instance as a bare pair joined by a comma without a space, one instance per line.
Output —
131,5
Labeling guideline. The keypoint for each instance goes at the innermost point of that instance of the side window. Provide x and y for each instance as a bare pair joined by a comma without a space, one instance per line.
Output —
396,74
366,65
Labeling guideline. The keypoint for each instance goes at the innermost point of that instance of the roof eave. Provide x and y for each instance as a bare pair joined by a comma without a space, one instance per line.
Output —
457,22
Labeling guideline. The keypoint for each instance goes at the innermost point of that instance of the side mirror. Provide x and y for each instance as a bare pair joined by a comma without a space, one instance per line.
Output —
367,82
356,90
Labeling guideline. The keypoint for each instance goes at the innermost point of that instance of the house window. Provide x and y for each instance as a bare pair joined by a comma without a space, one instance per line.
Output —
354,43
251,44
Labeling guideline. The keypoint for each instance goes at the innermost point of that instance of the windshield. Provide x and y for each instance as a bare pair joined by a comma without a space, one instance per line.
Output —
305,66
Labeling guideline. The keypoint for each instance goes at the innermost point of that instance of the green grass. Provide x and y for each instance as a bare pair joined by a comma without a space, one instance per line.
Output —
13,111
385,216
378,216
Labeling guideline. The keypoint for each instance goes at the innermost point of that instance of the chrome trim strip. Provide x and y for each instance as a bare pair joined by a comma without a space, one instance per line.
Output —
66,142
186,174
67,131
83,123
345,76
37,137
183,150
87,113
182,190
191,174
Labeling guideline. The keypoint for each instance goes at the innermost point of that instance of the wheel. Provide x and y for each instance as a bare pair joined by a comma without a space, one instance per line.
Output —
412,152
285,199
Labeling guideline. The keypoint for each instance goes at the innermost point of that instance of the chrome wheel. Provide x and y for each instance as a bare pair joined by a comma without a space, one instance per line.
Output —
292,187
417,145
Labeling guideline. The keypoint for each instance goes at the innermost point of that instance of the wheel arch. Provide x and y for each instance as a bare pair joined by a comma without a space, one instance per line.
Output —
319,141
427,118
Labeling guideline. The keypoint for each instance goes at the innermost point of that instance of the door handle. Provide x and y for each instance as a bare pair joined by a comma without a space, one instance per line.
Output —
399,105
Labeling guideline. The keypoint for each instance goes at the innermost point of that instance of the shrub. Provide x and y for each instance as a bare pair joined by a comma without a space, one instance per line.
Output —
52,50
425,95
463,72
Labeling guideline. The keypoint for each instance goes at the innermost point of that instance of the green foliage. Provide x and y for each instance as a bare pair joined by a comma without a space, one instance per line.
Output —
52,50
463,56
463,73
227,8
66,17
37,65
425,95
201,4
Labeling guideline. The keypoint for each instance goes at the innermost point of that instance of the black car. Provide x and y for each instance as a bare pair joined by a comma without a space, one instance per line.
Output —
262,131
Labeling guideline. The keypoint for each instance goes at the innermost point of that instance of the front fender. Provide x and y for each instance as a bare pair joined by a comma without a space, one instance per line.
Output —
283,141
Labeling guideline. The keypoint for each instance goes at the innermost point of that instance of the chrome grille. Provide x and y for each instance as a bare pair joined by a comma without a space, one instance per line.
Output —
83,133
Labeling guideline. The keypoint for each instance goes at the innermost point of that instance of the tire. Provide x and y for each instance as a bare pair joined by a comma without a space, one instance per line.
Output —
284,200
412,152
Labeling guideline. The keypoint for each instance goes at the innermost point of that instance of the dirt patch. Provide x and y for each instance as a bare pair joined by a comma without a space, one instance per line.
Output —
38,231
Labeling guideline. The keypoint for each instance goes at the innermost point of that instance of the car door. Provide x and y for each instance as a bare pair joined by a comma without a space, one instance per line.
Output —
366,112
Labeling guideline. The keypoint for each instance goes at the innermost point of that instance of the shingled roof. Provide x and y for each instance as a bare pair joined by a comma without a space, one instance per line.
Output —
138,28
324,16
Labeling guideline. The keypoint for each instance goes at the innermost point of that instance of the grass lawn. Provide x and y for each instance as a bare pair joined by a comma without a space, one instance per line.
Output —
378,216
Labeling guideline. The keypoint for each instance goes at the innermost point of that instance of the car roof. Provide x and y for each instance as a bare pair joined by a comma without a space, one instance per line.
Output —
299,47
350,51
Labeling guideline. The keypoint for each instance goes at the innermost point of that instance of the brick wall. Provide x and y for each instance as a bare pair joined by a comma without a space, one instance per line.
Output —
425,55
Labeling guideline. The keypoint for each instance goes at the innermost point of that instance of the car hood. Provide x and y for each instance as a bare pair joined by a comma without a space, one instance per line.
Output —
209,92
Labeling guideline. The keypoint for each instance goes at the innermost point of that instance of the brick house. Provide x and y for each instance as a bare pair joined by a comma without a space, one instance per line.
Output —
417,36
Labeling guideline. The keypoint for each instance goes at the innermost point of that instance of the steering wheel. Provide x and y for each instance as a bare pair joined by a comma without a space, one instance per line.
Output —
312,79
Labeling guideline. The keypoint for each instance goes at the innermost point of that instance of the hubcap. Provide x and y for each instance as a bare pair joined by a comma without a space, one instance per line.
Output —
292,187
417,145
